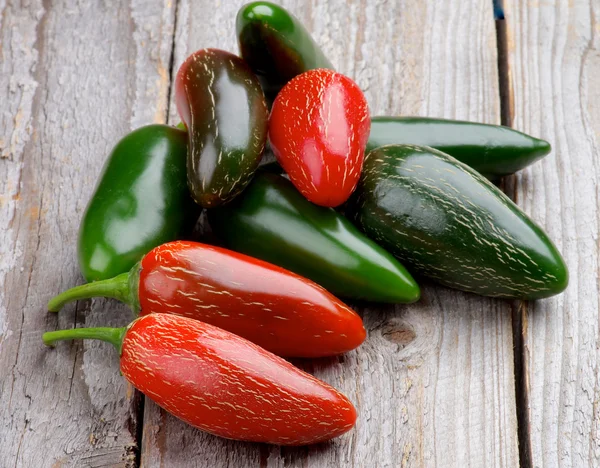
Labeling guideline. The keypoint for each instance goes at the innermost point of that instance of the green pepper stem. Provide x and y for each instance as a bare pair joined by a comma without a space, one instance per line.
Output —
114,336
117,287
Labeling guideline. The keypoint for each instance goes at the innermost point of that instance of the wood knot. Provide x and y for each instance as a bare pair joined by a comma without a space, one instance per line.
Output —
398,333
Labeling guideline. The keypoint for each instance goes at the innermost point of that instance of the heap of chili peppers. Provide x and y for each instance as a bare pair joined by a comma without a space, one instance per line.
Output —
214,322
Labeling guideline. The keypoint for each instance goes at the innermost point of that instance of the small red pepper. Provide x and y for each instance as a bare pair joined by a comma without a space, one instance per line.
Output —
222,383
275,308
318,129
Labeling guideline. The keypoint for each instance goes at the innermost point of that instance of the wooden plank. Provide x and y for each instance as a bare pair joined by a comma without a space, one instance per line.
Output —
434,382
74,78
554,62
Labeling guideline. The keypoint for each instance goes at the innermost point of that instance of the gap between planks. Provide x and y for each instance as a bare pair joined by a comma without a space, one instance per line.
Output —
172,72
519,309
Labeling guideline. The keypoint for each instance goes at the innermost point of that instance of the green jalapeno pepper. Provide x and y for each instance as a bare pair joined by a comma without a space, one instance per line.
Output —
223,107
272,221
447,222
492,150
141,201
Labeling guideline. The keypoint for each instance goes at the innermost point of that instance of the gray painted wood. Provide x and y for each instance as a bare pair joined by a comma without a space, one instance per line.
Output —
434,383
74,78
554,62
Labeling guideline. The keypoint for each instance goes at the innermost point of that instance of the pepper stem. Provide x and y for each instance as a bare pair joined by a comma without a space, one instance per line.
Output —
123,287
114,336
117,287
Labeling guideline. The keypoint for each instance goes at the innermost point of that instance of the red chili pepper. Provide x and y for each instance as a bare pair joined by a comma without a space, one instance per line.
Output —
318,129
222,383
275,308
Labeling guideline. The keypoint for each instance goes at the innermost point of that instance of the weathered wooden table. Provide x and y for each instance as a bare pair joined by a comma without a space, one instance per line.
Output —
455,380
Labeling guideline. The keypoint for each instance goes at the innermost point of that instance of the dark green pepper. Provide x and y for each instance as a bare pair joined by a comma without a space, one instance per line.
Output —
272,221
276,45
223,107
141,201
447,222
492,150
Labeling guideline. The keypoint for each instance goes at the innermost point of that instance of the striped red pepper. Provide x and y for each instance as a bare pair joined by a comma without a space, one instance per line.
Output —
275,308
222,383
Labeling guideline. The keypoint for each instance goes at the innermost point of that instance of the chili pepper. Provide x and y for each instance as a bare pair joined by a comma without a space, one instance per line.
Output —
447,222
271,220
221,103
276,45
276,309
141,201
318,130
492,150
221,383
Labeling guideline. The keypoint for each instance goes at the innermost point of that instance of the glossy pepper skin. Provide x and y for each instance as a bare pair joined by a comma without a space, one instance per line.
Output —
271,220
223,107
318,131
272,307
492,150
276,45
141,201
447,222
221,383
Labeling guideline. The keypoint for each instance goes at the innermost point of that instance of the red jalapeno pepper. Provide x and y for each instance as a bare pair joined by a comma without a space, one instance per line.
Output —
222,383
318,129
275,308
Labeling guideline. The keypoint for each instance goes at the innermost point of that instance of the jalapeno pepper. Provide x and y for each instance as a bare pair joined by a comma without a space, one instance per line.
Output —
318,131
223,107
271,220
141,201
492,150
277,309
449,223
222,383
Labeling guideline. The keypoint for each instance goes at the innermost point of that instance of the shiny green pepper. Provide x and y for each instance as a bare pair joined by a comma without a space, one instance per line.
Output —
276,45
272,221
447,222
223,107
492,150
141,201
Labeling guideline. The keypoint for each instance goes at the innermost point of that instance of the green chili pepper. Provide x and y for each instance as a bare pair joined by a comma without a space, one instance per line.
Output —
492,150
141,201
272,221
223,107
276,45
447,222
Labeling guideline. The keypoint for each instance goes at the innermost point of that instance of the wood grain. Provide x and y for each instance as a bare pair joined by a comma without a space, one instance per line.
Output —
554,62
74,78
434,383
